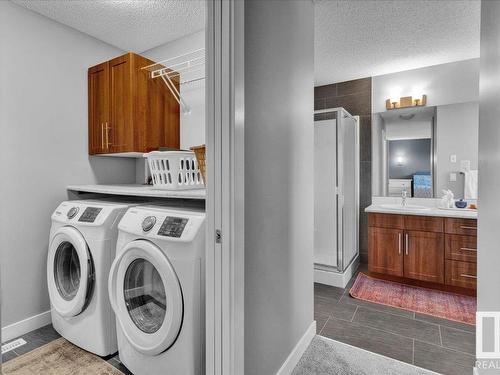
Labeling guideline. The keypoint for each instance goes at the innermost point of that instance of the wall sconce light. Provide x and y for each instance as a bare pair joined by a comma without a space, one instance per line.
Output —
405,102
400,161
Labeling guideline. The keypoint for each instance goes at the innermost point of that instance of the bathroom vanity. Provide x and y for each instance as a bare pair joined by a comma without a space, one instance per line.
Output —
428,247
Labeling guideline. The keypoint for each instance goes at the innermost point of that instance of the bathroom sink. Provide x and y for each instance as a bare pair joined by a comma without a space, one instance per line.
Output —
400,207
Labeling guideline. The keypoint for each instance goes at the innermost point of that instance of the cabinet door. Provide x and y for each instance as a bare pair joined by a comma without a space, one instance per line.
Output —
424,256
385,251
119,132
98,91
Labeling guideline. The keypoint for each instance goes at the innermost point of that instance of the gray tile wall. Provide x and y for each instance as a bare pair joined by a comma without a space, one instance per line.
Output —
356,97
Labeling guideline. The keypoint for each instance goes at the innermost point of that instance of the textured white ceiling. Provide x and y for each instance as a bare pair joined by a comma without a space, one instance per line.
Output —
362,38
131,25
353,38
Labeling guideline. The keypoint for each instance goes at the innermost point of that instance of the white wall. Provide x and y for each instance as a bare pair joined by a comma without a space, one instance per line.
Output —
456,133
43,147
192,124
443,84
489,160
279,215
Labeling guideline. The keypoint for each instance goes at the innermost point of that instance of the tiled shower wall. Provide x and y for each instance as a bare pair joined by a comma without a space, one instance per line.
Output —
356,97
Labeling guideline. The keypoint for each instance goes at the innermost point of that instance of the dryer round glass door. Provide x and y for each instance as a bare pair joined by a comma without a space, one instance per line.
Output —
146,296
70,272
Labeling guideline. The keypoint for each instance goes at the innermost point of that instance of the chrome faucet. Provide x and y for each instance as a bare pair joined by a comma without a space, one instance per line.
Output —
404,195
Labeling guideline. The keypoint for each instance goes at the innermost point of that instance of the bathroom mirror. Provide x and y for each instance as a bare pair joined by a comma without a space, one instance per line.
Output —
423,150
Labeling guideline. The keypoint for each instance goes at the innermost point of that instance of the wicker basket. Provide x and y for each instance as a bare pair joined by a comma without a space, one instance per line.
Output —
200,152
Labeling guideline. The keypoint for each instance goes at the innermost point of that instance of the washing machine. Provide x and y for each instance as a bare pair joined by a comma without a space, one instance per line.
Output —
156,288
82,248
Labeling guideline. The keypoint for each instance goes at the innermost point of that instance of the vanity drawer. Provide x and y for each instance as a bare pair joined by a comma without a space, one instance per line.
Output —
462,274
386,221
461,226
463,248
424,223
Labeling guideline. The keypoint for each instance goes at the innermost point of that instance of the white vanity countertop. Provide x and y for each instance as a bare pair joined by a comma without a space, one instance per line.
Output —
421,207
139,191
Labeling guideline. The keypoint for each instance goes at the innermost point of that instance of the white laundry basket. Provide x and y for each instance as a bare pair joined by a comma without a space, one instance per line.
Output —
174,170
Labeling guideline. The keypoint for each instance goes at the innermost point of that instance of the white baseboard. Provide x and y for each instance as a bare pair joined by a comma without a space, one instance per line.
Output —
333,278
298,351
22,327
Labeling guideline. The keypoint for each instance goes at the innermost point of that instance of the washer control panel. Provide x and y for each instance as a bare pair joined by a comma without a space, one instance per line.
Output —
90,214
173,226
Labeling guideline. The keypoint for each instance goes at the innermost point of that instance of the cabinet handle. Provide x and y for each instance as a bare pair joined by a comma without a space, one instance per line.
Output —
469,276
466,227
399,242
468,249
107,136
102,136
407,236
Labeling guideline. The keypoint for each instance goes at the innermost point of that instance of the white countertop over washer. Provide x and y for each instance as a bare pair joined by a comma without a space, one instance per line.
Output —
139,191
418,207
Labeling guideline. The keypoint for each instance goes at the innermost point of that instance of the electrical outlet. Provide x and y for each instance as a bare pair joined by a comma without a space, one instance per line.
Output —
453,158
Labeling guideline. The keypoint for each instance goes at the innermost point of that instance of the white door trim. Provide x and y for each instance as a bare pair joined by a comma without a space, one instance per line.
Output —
225,190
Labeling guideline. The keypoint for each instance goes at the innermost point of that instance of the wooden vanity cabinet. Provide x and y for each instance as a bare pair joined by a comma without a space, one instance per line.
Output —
435,250
385,254
129,111
424,256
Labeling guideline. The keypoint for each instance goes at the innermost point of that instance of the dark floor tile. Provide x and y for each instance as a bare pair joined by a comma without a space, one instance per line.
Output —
320,318
48,333
375,306
385,343
445,322
32,343
404,326
459,340
117,364
8,356
442,360
327,291
335,309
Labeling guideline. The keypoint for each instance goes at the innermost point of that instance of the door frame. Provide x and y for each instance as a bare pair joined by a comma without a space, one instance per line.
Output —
225,188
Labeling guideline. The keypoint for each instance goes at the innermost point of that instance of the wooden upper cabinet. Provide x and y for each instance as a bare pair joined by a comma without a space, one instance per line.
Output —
424,256
129,111
98,97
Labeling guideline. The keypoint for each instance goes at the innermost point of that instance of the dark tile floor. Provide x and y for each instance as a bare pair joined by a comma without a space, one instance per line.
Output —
436,344
44,335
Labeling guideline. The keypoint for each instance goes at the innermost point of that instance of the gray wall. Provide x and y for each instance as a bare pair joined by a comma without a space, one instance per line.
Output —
489,159
456,133
279,214
43,147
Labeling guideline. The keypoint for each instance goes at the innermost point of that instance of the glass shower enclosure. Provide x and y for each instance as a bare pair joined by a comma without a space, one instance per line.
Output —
336,195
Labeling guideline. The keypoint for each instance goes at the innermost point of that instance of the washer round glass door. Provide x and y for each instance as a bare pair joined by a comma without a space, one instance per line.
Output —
70,272
146,296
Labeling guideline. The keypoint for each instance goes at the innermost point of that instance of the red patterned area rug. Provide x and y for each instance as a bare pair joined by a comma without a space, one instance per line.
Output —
440,304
